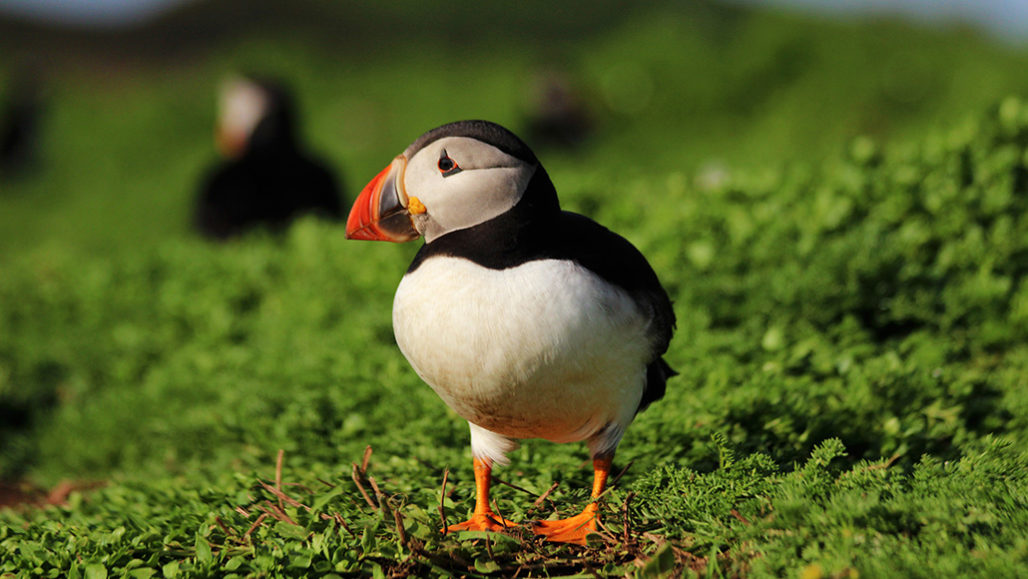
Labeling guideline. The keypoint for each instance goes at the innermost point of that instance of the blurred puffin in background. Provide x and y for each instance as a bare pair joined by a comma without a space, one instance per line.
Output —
20,121
266,179
528,321
558,114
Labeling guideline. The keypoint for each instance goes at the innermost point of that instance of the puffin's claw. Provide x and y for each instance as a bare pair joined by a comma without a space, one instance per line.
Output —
571,530
487,521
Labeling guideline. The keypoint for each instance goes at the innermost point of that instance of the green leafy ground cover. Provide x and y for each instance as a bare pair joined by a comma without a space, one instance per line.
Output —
851,341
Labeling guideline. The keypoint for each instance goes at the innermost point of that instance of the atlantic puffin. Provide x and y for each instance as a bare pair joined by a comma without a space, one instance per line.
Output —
528,321
266,179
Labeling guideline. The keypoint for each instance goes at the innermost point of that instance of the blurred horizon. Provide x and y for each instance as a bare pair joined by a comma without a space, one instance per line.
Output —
1006,20
96,13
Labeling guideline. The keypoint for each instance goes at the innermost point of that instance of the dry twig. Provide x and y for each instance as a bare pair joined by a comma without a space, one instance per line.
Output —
738,516
399,528
283,497
379,495
278,474
546,494
513,486
228,532
365,459
360,487
614,482
255,524
886,464
442,500
624,517
273,510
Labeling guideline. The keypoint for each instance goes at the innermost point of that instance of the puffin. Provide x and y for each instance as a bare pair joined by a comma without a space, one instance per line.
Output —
559,116
20,123
526,320
266,179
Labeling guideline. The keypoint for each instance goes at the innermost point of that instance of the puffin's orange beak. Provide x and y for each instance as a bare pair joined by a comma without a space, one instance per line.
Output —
230,143
380,212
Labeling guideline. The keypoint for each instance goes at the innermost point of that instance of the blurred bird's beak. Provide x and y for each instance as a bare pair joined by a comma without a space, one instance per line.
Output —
380,212
230,143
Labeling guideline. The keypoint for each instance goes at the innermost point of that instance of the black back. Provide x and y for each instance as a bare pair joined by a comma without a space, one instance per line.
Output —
537,229
268,192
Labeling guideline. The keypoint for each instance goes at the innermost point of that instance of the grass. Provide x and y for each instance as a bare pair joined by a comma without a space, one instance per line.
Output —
847,267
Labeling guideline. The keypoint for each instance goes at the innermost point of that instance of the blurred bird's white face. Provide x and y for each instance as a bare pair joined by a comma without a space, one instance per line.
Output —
241,106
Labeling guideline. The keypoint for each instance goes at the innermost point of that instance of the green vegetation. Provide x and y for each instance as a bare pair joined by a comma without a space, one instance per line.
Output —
847,251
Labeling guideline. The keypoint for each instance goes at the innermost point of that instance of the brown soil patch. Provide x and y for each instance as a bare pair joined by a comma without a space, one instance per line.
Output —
17,494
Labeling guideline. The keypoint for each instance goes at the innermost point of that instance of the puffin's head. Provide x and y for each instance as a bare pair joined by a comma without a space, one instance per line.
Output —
253,113
453,177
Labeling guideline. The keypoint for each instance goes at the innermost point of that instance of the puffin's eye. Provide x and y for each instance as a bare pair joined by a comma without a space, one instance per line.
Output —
447,166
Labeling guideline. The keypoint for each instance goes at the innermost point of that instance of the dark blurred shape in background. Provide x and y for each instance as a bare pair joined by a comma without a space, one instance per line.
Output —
266,179
20,118
559,114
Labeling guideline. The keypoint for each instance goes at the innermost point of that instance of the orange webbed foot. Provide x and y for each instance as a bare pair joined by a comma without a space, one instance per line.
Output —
571,530
487,521
483,518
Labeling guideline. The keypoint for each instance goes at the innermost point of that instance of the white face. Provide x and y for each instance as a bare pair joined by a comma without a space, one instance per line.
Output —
242,104
485,184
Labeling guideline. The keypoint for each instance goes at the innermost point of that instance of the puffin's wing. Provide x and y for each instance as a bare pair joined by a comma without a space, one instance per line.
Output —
617,261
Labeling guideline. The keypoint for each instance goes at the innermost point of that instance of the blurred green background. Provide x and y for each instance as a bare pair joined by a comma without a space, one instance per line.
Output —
128,116
835,202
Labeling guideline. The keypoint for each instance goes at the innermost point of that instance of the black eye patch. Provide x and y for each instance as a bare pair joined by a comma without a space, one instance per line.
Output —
447,166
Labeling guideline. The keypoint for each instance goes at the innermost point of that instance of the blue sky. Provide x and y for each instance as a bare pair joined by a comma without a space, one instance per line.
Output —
87,11
1007,18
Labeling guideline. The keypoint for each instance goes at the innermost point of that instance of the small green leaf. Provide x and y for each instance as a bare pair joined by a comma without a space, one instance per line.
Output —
367,541
234,563
485,565
300,561
203,549
661,565
96,571
290,531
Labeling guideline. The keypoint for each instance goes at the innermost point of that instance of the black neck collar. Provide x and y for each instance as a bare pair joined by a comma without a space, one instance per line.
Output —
506,240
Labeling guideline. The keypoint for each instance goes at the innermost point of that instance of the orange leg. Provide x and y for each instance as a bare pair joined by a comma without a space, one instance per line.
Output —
575,529
483,519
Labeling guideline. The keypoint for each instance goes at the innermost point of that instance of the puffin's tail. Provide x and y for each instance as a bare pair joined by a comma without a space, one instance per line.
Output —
657,374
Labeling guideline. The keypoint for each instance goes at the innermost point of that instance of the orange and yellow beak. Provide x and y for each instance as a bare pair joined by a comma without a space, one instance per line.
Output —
381,211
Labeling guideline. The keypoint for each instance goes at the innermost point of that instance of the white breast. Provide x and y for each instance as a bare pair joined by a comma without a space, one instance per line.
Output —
543,350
